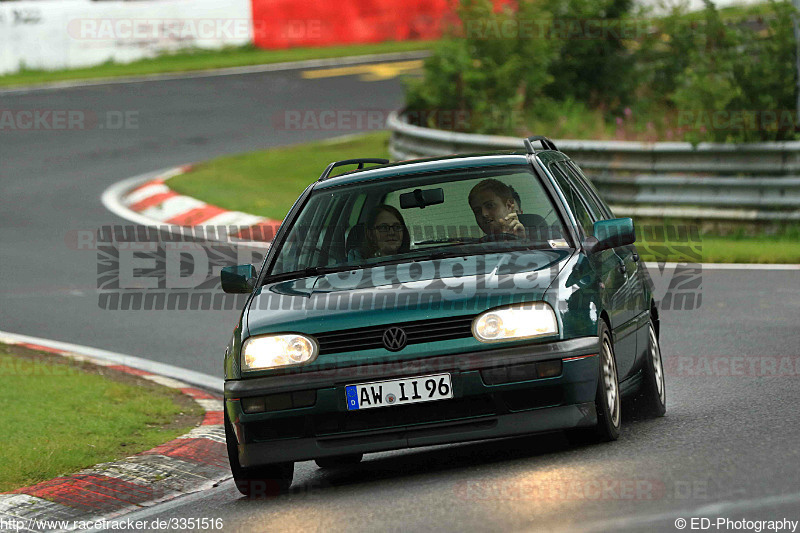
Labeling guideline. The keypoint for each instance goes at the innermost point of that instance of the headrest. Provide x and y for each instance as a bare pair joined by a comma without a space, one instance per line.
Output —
536,225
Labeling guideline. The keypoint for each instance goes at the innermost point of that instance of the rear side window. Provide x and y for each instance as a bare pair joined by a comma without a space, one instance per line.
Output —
576,204
591,192
593,205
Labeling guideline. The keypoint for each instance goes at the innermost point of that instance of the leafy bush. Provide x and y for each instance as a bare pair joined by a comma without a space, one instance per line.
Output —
715,75
740,84
593,64
483,73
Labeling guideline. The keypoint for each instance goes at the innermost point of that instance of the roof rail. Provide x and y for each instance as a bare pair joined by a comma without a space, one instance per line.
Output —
547,144
360,162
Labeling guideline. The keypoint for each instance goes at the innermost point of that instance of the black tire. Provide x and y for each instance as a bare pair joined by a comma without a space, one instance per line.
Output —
607,400
339,460
261,481
651,400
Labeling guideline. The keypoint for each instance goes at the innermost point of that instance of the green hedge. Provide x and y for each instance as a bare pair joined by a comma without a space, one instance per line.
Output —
587,68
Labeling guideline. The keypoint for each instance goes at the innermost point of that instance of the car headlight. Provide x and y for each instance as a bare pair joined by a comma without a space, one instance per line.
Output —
518,321
274,351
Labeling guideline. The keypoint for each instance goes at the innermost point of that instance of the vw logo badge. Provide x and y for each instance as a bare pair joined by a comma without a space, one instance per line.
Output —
394,339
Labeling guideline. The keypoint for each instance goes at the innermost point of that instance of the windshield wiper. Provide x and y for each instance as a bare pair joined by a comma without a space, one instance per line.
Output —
311,271
449,240
463,250
521,247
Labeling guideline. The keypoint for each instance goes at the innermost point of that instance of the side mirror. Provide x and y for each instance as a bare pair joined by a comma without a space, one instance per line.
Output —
610,234
238,279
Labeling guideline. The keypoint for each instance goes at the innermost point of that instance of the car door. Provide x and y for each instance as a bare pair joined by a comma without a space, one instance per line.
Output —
614,271
635,303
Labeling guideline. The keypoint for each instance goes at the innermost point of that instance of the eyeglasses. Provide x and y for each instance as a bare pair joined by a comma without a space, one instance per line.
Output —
384,228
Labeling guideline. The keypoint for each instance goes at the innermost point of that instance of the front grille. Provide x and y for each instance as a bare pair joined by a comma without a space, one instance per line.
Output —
439,329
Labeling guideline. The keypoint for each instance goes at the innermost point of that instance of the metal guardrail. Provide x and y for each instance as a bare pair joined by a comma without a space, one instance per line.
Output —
753,182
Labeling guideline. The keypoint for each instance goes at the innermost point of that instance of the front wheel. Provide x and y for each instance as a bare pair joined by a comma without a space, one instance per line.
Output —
651,401
259,481
607,399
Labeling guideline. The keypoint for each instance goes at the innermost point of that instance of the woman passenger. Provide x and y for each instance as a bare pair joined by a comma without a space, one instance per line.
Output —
386,233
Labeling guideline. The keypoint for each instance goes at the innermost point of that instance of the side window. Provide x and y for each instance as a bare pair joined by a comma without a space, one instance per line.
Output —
576,205
598,213
592,194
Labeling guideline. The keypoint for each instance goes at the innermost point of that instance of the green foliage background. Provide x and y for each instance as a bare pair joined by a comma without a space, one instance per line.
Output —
532,66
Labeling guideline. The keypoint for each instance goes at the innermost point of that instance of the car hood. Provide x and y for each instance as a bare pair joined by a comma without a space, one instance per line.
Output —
402,293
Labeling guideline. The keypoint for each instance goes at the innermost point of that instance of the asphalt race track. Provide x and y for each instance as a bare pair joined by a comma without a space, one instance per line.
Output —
728,446
51,182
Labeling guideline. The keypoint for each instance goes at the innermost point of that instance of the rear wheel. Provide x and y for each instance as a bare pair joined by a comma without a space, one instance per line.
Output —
651,401
339,460
607,400
259,481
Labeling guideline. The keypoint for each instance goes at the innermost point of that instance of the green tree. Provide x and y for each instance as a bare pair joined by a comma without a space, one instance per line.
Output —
593,64
740,83
485,70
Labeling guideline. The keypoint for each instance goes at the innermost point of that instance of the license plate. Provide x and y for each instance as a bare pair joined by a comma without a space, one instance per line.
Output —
398,392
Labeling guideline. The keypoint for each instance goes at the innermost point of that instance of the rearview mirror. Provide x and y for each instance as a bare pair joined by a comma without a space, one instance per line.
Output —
421,198
610,234
238,279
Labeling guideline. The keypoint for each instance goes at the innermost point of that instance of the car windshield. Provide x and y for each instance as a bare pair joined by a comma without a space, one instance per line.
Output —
410,218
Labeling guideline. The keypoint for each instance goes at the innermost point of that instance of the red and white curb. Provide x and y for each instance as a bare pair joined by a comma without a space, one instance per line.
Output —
148,200
193,462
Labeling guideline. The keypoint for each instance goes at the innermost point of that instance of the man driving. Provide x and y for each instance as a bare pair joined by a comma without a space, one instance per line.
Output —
495,208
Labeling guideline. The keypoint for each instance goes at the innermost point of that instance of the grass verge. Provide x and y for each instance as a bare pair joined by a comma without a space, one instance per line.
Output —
763,249
266,183
205,60
59,416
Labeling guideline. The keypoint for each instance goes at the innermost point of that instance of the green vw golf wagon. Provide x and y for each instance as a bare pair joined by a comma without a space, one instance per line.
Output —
437,301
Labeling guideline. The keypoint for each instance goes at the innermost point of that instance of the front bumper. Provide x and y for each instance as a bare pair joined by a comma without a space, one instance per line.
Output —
477,411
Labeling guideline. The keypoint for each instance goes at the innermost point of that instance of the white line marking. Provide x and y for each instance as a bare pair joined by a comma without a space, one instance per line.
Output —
167,382
712,509
210,405
230,71
729,266
182,374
